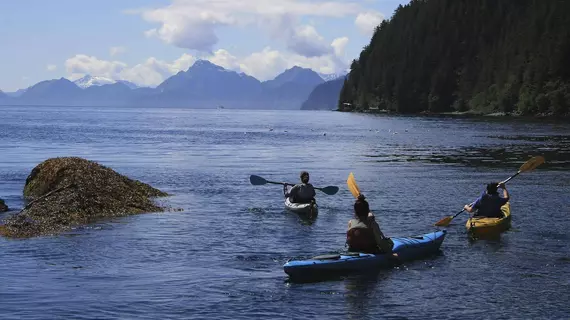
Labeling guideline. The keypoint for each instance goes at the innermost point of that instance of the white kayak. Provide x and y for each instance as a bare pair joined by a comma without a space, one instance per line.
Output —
308,209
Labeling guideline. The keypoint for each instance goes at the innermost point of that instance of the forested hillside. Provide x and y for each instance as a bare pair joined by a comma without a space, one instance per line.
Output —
324,96
458,55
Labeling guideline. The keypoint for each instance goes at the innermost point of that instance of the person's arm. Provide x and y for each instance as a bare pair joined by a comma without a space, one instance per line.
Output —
473,206
381,240
506,195
293,191
385,244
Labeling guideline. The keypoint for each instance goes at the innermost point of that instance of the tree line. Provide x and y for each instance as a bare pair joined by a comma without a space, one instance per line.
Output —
466,55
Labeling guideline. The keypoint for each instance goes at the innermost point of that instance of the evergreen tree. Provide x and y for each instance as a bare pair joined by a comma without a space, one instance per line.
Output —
482,55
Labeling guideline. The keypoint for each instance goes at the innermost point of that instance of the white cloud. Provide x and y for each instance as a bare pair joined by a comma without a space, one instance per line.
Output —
368,21
339,45
192,24
113,51
225,59
153,72
81,64
268,63
306,41
51,67
264,65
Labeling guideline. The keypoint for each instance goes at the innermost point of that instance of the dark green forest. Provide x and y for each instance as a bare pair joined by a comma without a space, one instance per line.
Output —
484,56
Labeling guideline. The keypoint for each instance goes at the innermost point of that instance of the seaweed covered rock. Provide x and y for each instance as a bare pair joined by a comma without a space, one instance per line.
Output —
3,206
67,192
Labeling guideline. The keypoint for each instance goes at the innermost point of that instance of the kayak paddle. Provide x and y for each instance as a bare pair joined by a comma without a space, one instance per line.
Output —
259,181
530,165
352,186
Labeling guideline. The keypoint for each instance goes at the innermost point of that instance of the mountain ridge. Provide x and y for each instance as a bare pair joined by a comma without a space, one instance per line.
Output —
325,96
202,85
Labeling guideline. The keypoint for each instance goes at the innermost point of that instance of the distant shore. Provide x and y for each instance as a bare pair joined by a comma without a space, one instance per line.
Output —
469,113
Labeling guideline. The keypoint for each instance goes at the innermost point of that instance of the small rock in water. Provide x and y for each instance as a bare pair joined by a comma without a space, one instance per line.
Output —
3,206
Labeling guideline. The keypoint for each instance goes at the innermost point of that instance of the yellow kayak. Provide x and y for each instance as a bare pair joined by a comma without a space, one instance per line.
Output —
481,227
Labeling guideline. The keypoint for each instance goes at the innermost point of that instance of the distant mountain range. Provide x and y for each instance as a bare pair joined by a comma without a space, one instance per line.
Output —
16,93
203,85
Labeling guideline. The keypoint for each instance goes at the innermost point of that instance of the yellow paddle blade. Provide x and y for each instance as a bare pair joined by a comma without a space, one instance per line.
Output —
532,164
352,186
444,222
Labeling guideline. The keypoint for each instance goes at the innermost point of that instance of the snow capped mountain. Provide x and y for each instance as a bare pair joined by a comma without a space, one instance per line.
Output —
90,81
332,76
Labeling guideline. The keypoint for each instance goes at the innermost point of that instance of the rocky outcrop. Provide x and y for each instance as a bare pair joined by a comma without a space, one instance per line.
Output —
3,206
67,192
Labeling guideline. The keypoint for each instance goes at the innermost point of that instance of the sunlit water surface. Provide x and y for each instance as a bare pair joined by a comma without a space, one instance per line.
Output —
222,256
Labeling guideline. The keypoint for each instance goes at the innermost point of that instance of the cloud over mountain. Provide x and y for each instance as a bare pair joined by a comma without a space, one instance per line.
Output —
193,24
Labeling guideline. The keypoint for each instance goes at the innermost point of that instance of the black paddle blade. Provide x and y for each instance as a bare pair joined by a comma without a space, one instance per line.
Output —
257,180
331,190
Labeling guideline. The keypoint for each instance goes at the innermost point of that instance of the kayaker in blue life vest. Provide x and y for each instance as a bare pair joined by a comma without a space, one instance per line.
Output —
490,202
303,192
363,233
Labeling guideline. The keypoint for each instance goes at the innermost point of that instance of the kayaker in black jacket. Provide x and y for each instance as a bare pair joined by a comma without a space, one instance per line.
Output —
303,192
490,202
363,233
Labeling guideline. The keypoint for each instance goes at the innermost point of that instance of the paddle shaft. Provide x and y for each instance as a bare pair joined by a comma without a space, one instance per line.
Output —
509,179
290,184
281,183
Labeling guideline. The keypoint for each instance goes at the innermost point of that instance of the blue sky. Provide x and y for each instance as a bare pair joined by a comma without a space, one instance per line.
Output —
146,41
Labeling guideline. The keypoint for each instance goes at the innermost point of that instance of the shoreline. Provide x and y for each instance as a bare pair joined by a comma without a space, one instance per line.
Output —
466,114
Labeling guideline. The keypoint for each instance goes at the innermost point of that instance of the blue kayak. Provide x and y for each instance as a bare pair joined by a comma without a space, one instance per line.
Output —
407,248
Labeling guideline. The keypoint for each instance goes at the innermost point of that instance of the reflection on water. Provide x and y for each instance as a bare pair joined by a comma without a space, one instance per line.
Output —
362,292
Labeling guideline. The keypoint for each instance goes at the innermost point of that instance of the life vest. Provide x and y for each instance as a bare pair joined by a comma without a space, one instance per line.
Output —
302,193
490,206
360,238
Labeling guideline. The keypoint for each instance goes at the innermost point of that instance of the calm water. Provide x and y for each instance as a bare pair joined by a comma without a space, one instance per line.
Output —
222,256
